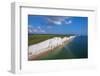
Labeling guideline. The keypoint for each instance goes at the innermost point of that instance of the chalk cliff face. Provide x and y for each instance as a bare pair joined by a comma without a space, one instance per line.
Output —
49,44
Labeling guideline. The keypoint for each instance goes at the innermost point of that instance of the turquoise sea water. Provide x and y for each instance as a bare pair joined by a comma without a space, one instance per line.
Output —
77,48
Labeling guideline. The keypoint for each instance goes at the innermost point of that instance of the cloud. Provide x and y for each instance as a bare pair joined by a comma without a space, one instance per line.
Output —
37,29
68,22
58,20
54,20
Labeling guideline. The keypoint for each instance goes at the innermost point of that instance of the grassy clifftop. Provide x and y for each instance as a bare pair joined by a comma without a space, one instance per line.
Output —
36,38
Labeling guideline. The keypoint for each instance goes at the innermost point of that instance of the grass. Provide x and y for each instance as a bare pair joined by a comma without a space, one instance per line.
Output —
36,38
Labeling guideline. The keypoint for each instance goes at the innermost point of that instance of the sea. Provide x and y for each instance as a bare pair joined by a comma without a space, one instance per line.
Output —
76,49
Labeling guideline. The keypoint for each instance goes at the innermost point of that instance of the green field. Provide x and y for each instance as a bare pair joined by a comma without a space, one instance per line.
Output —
36,38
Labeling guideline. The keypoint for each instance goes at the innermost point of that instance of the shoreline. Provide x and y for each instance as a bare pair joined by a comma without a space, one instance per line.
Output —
45,52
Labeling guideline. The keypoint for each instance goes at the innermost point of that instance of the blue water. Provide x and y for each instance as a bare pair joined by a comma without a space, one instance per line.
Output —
77,48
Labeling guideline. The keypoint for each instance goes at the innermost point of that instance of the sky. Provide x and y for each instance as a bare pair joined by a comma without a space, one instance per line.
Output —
42,24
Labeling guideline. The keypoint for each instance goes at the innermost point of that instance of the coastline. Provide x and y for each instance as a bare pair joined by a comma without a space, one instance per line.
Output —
36,55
